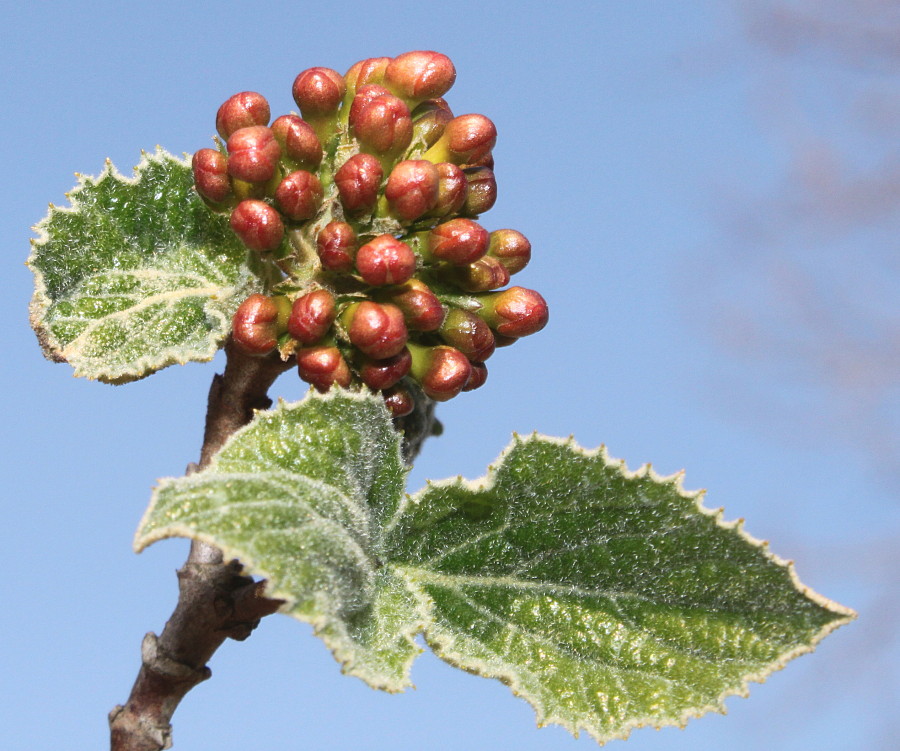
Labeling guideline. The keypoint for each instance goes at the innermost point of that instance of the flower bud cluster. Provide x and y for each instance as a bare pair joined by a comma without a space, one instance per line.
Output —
364,206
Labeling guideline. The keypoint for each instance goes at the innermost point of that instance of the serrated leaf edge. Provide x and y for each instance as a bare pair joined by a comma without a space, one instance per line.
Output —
41,302
444,647
321,623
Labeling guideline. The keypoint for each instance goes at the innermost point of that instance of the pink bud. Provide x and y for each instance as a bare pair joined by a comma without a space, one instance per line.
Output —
257,224
376,330
298,141
470,137
254,326
516,311
452,189
384,126
459,241
323,367
412,189
362,99
242,111
469,334
398,401
358,180
481,190
211,175
478,377
421,308
385,260
442,371
336,246
253,154
420,75
299,195
511,248
382,374
311,316
365,72
485,274
318,92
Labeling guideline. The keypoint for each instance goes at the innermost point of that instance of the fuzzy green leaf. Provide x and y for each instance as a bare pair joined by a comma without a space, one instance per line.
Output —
137,274
607,599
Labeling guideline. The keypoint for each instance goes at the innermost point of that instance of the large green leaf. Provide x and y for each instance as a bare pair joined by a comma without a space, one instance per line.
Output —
608,599
137,274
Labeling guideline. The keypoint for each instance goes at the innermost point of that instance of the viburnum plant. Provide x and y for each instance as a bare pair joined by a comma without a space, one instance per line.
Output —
343,242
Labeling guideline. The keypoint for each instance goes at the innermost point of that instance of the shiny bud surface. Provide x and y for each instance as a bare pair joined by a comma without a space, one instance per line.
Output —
377,330
299,195
253,154
242,110
482,276
459,241
384,125
257,224
412,189
323,367
469,334
254,327
298,141
385,260
515,312
511,248
336,246
420,74
210,168
477,378
420,306
382,374
398,401
481,190
318,92
358,180
311,316
442,371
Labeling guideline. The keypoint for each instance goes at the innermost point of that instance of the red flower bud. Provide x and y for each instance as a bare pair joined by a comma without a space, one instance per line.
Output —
466,139
385,260
211,175
486,161
311,316
254,327
242,110
376,330
469,334
253,154
442,371
516,311
412,188
358,180
452,189
421,308
318,92
398,401
298,141
257,224
481,190
336,246
478,377
365,72
485,274
459,241
323,367
420,75
430,119
299,195
384,126
362,99
382,374
511,248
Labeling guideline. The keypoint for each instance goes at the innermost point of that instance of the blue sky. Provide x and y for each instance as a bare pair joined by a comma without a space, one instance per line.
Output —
711,191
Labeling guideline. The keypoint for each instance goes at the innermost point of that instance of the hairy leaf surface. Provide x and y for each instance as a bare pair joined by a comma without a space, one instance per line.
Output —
137,274
608,599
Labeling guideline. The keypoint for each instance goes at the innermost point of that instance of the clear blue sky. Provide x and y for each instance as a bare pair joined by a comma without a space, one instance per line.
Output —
712,193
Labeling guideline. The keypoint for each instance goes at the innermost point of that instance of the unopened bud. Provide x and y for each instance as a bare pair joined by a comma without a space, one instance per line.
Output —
412,189
253,154
210,169
318,92
398,401
511,248
385,260
482,276
421,308
376,330
299,195
469,334
382,374
430,119
358,180
258,225
384,126
481,190
242,110
254,327
459,241
365,72
442,371
420,75
478,377
486,161
311,316
362,99
323,366
452,189
299,142
515,312
336,246
466,139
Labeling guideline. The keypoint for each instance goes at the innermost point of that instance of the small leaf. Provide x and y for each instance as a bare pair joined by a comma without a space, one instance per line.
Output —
607,599
137,274
299,496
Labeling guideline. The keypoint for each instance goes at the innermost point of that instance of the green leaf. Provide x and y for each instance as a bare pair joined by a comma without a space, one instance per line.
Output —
137,274
608,599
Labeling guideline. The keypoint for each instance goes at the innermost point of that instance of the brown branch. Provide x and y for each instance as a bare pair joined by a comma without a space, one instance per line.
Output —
216,601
